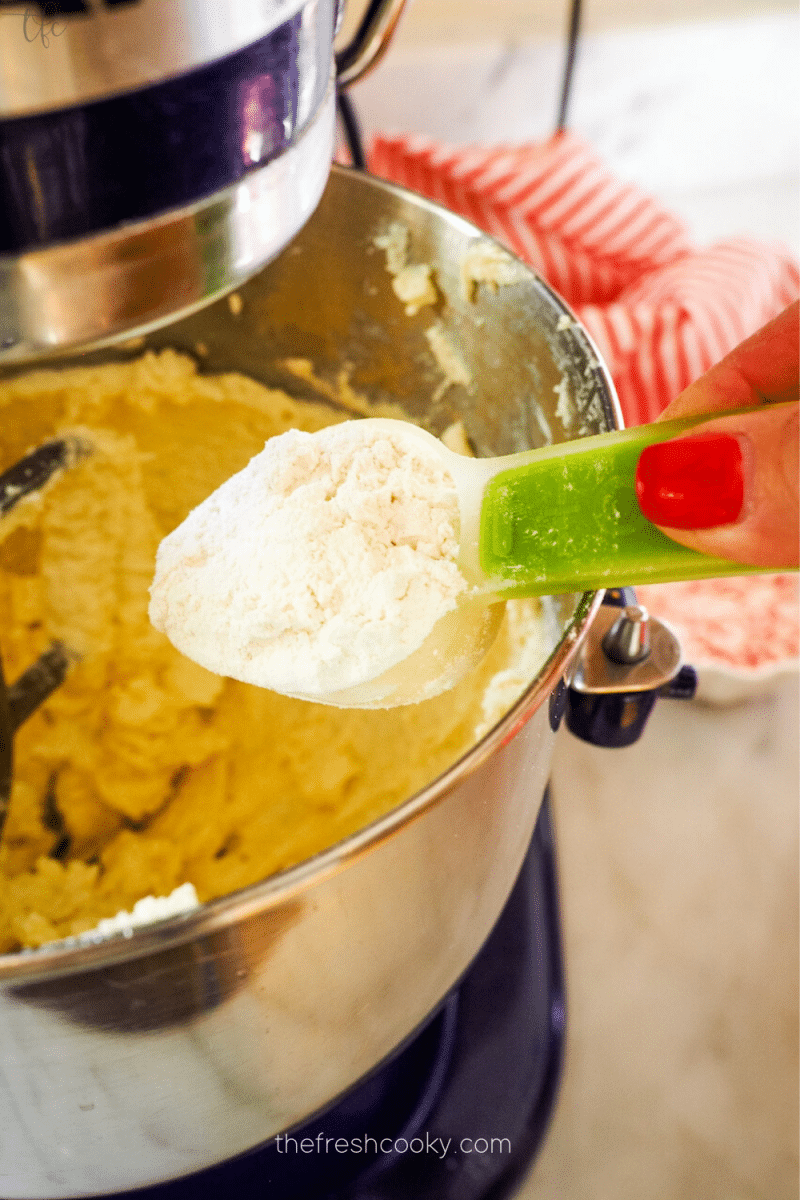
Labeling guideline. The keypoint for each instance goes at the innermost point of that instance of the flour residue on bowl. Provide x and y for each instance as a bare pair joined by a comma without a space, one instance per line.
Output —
412,283
487,263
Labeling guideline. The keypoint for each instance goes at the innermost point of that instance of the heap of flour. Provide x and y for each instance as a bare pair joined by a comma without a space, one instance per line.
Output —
322,564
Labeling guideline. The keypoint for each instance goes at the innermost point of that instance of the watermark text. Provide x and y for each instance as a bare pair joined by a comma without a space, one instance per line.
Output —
40,27
285,1143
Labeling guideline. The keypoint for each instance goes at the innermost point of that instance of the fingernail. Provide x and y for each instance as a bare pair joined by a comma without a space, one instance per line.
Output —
694,482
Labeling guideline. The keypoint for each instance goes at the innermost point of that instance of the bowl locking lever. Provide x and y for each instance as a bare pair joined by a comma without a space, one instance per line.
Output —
628,660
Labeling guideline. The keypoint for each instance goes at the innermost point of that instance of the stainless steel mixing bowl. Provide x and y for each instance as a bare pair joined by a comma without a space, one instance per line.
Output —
152,1056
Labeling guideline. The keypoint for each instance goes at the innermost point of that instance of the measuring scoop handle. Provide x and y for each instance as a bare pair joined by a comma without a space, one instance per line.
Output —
568,520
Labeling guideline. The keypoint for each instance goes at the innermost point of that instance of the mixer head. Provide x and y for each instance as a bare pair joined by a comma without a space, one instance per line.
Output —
156,153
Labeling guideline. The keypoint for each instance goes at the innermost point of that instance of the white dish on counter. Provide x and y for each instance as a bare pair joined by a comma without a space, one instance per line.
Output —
740,634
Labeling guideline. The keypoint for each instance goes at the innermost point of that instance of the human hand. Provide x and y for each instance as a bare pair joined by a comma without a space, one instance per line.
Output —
730,487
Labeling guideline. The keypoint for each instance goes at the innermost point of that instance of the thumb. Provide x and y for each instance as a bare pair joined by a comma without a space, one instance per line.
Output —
730,488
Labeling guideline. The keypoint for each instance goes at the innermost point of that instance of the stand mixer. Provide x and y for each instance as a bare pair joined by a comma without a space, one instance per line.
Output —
156,153
132,198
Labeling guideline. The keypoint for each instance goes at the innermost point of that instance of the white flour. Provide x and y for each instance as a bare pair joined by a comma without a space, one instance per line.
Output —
144,912
323,563
147,910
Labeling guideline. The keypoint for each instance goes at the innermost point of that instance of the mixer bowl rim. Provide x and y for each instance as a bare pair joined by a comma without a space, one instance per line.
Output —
72,956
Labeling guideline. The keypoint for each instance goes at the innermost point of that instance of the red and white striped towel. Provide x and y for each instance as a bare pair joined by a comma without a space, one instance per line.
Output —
660,310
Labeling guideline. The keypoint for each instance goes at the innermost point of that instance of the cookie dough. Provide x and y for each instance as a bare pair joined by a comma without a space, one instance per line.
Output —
144,771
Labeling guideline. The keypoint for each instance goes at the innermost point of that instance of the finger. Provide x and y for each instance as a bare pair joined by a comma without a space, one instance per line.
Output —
764,369
730,488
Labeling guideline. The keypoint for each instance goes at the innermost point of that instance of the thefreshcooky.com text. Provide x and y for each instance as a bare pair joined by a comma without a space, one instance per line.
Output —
321,1144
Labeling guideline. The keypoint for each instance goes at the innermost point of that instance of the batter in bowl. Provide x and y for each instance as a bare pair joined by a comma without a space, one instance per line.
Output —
144,771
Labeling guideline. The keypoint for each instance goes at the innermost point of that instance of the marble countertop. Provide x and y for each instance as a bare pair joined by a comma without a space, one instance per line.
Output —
705,115
678,857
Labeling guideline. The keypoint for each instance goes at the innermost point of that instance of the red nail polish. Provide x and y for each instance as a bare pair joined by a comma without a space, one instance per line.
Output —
694,482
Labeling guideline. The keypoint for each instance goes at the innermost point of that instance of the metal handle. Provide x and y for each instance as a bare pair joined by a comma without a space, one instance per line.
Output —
370,41
608,702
